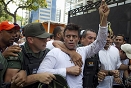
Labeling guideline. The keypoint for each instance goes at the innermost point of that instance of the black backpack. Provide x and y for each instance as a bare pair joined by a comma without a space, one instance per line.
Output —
31,64
91,68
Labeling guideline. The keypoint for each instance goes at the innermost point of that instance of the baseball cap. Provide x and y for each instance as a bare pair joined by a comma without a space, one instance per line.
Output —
5,25
35,30
17,26
127,49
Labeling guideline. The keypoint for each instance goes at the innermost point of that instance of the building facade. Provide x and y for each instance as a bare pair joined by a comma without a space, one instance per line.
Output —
44,14
73,4
58,15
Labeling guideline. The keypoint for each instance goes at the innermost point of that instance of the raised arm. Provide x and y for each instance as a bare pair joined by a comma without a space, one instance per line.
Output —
100,41
104,12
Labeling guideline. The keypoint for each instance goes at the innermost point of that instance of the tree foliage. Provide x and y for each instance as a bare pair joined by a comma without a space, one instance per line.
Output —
19,18
3,15
22,4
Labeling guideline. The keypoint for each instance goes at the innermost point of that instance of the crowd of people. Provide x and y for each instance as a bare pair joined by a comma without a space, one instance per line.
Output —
30,56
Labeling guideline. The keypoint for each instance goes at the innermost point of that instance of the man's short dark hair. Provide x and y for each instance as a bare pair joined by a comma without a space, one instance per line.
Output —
85,32
56,30
122,35
72,26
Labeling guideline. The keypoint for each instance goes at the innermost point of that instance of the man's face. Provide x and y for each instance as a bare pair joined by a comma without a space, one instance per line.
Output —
8,37
119,41
71,39
122,55
39,44
90,38
108,41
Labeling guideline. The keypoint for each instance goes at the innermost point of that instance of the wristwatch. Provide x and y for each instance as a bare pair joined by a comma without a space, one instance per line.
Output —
109,73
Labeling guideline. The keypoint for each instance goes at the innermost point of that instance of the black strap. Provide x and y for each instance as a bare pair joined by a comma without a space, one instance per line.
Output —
25,58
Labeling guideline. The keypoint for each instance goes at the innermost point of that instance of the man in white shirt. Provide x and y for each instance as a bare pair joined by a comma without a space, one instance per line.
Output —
59,62
110,61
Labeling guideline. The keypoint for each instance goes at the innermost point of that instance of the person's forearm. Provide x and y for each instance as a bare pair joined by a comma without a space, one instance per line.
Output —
123,67
126,74
64,49
107,72
9,74
103,21
59,44
31,79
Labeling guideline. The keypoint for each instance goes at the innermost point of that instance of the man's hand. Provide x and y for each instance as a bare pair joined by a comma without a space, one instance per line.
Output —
76,58
74,70
115,73
101,76
103,9
104,12
45,77
11,51
118,80
19,79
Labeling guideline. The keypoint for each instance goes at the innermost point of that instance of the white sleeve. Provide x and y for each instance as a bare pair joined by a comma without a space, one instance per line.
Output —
49,45
98,44
48,65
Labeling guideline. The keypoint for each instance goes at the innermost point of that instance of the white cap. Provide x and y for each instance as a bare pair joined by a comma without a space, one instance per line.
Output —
127,49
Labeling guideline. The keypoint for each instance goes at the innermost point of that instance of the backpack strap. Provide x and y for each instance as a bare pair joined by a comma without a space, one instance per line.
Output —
25,58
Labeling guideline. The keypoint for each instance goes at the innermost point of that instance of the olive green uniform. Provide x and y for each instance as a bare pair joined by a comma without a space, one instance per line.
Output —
17,62
3,61
10,62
